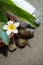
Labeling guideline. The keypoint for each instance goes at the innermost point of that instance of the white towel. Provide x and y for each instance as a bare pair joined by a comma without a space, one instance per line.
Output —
24,5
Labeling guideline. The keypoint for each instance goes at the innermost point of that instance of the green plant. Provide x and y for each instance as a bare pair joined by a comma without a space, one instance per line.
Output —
8,5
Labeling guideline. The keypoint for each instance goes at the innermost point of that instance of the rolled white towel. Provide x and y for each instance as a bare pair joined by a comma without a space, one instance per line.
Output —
25,5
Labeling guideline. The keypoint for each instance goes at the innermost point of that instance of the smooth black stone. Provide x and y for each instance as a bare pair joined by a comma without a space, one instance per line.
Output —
25,33
37,22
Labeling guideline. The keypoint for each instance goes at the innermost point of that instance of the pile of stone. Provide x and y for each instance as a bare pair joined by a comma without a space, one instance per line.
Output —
25,32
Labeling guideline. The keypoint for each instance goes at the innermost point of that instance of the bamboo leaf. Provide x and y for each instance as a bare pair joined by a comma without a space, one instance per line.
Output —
22,14
31,24
3,16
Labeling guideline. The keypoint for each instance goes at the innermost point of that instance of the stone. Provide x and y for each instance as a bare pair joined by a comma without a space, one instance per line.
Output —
12,47
26,32
37,22
21,42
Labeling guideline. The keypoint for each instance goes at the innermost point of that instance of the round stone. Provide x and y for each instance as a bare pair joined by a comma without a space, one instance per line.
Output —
26,32
37,22
21,42
12,47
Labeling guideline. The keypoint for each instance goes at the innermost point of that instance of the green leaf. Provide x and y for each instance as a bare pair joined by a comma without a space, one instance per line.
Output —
4,37
2,24
32,24
22,14
8,5
3,16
